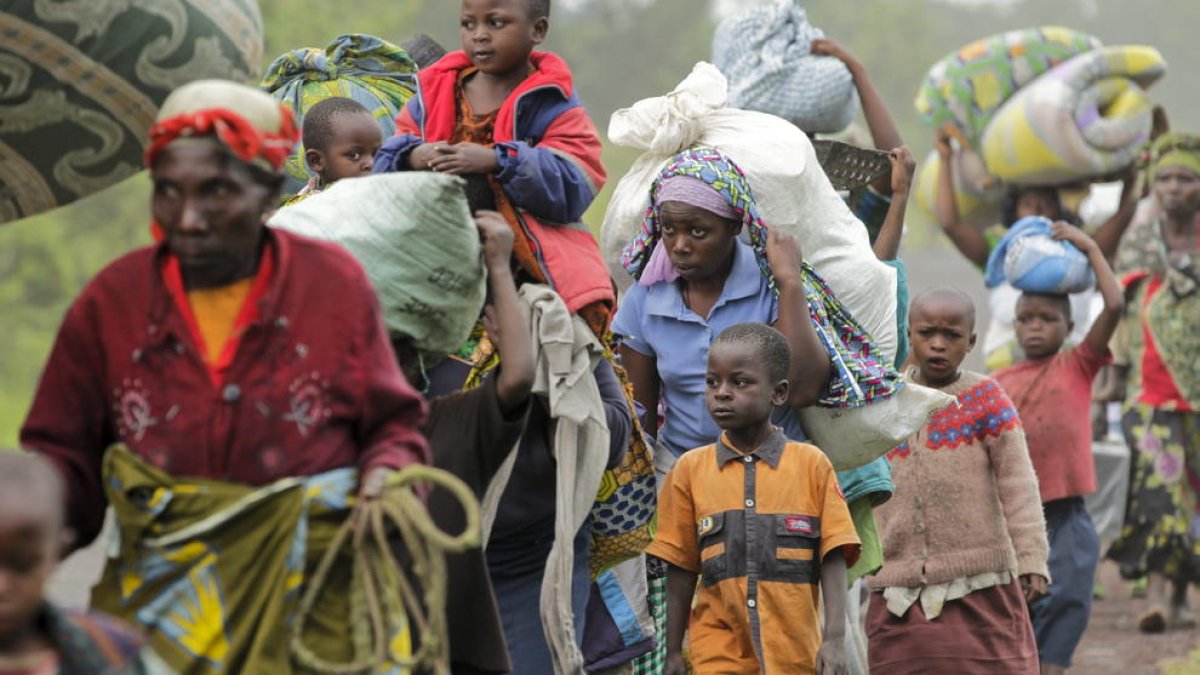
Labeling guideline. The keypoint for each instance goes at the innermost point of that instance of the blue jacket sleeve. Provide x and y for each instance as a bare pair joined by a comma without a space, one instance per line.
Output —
616,411
545,183
393,154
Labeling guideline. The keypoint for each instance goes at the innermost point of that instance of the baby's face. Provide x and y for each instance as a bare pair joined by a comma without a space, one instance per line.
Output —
352,148
30,541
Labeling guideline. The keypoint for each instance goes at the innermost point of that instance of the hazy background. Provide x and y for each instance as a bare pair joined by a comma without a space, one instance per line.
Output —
620,51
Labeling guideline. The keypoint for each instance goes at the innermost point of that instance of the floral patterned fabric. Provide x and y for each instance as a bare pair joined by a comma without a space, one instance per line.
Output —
1157,533
860,372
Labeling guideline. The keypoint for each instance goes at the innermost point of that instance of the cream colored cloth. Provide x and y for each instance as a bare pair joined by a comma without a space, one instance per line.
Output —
934,598
566,353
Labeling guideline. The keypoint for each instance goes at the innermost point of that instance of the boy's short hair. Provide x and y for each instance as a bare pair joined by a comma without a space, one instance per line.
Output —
317,131
1061,300
769,345
944,295
538,9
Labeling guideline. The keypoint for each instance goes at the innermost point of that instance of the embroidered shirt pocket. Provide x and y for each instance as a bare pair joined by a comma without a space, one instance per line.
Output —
797,544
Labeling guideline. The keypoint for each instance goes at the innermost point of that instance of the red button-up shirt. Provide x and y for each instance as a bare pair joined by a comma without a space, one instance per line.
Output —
313,384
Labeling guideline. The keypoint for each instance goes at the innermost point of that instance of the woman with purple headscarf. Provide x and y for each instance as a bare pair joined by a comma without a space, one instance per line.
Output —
697,278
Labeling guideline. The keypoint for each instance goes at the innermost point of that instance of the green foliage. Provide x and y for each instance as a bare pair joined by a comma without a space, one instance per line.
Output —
620,51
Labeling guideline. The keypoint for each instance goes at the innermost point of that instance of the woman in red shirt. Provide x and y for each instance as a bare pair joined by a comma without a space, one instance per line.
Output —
228,350
1162,353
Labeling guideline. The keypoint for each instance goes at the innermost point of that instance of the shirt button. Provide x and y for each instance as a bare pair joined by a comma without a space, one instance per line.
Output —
749,503
231,393
751,603
747,459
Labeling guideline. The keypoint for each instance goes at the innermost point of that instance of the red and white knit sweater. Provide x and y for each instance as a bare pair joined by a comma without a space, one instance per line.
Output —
966,499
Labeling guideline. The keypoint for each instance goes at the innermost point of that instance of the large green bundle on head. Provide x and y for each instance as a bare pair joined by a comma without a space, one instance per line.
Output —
414,235
377,74
82,81
965,88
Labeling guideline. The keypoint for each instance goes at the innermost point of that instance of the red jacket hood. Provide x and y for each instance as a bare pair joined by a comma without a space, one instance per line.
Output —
437,84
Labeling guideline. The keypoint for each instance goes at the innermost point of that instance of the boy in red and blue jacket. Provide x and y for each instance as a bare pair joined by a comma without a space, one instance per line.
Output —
500,109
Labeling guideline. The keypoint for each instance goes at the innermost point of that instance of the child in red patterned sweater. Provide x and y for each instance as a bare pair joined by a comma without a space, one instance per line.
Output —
964,541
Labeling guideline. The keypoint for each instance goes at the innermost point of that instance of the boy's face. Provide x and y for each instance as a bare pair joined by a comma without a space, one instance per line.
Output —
30,540
1036,203
941,335
351,151
738,388
1041,326
499,35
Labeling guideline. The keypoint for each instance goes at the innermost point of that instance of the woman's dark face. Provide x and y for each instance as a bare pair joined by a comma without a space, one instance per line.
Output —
1178,192
211,211
699,243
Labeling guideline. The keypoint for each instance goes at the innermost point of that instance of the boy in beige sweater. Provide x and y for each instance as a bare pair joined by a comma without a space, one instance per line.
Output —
964,539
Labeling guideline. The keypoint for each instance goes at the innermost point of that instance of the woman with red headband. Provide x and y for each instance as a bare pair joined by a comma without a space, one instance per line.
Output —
228,350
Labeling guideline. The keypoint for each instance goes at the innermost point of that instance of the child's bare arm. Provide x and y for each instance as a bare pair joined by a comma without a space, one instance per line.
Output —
1108,236
643,375
831,659
884,132
463,159
809,370
1114,299
421,156
968,240
887,244
681,588
502,318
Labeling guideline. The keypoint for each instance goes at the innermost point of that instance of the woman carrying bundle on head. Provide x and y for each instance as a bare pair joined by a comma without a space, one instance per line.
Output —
1159,346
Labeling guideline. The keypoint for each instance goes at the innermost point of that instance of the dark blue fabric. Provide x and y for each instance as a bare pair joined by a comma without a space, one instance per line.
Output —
544,183
519,597
393,154
608,643
1061,617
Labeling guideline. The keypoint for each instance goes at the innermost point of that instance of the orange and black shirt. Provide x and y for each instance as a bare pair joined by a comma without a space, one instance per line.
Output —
755,526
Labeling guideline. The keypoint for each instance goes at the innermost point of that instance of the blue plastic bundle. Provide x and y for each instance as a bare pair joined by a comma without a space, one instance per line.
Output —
1030,260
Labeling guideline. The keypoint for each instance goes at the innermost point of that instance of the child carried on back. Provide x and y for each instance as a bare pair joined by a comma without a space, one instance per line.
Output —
502,110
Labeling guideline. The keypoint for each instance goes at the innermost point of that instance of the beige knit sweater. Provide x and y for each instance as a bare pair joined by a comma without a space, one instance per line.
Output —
966,499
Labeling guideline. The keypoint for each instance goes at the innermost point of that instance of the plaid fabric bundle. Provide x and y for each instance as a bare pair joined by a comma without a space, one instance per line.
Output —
860,372
766,52
654,661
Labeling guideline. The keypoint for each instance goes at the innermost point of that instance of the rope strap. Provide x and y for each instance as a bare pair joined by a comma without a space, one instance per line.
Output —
381,588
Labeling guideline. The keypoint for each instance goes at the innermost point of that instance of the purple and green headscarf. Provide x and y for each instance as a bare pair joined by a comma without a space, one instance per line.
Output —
860,372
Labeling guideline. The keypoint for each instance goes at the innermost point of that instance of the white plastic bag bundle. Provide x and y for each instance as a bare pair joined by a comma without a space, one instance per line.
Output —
413,234
853,437
766,52
793,194
790,189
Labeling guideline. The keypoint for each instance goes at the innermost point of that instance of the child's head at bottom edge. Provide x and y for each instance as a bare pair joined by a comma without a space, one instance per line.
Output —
747,376
32,538
340,139
941,330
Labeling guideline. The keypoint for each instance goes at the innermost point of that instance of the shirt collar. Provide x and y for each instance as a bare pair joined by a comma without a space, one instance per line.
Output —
744,281
770,451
